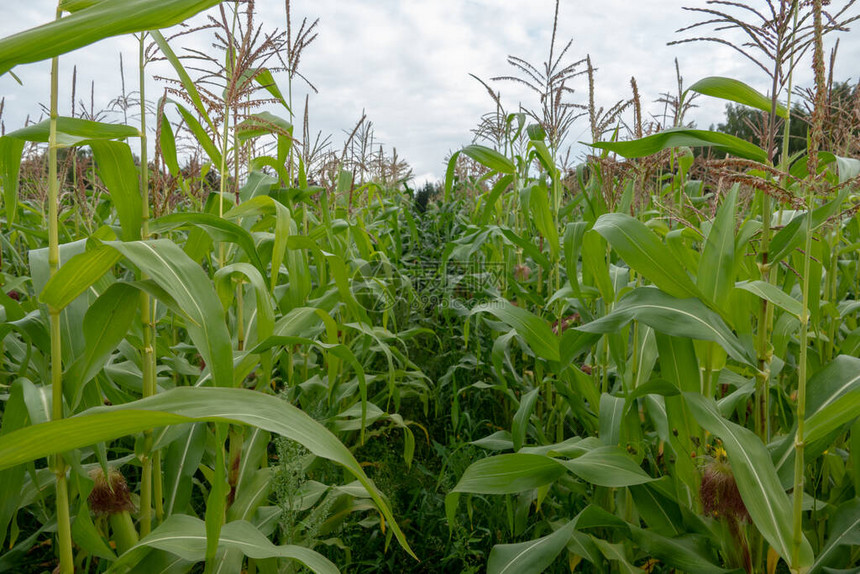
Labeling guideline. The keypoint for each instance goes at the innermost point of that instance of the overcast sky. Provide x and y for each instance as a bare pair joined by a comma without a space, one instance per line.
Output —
407,63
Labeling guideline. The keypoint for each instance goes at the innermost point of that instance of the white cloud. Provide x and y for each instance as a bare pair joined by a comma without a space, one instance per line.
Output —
407,63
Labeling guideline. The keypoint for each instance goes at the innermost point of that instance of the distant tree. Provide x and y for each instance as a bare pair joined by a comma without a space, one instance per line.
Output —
425,194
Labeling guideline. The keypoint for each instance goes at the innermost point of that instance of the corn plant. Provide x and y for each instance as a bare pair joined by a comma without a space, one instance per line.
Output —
644,362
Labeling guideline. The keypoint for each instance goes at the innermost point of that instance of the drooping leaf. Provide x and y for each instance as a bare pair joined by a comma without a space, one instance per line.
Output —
737,91
489,158
185,537
677,317
678,137
188,285
91,24
759,486
219,229
200,134
184,405
168,146
509,474
106,323
539,199
844,530
521,417
773,294
687,553
607,466
74,131
263,123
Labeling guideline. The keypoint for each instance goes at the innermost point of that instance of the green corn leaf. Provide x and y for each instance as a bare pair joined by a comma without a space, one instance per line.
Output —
846,168
533,329
217,228
539,200
611,418
168,146
77,5
573,241
492,197
10,167
86,535
521,417
267,81
189,286
774,294
77,275
844,530
833,398
717,264
686,553
736,91
765,500
529,557
265,305
792,235
529,248
607,466
594,265
188,84
200,134
216,502
116,168
15,416
91,24
677,317
74,131
449,175
509,474
184,405
185,537
106,323
541,151
642,250
678,137
661,513
181,460
490,158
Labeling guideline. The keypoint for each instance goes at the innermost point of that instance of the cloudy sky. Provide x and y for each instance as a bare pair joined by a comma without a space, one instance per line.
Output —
406,63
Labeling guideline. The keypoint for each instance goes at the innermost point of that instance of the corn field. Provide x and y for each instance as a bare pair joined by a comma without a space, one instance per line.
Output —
256,353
